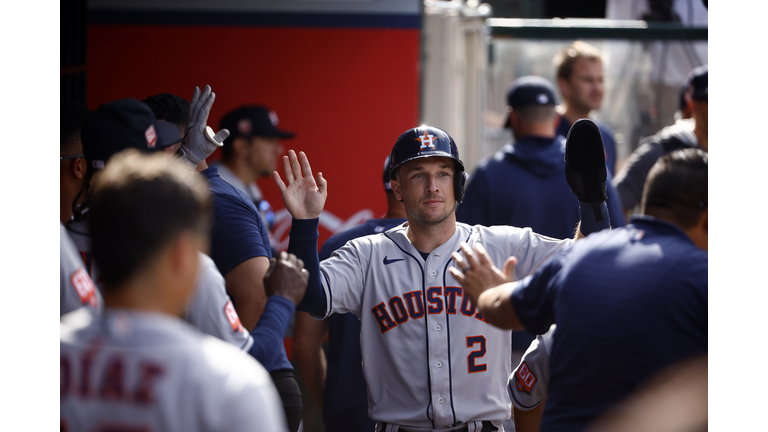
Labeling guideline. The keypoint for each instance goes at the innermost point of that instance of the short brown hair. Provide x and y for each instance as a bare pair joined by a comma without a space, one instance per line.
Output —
678,184
565,60
140,203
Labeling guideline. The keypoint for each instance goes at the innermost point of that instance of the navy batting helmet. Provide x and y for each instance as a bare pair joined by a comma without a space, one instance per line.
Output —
428,141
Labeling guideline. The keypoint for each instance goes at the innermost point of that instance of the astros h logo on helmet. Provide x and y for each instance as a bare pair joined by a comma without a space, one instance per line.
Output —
426,141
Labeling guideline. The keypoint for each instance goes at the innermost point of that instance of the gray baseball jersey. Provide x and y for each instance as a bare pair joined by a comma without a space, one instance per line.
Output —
529,382
77,288
131,370
209,309
429,358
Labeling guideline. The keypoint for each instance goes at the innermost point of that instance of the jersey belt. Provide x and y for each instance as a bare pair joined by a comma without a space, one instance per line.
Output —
475,426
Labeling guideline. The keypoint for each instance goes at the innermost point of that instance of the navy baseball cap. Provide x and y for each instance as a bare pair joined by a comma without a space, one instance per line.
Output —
699,83
530,90
254,120
122,124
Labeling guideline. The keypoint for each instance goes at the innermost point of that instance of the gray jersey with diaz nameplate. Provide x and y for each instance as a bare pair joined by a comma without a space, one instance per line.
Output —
429,359
130,370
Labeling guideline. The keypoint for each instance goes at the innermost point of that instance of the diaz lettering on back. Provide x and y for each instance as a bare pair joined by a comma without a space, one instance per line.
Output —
118,382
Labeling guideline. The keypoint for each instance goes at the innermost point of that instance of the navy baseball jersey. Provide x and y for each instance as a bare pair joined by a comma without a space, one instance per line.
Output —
524,185
238,234
77,288
131,370
628,303
345,400
429,358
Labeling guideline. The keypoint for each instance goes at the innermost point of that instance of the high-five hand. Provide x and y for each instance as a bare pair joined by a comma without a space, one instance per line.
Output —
476,275
199,140
304,196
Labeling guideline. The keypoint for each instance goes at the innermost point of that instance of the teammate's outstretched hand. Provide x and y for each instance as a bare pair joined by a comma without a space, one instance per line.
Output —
287,277
199,140
304,196
478,274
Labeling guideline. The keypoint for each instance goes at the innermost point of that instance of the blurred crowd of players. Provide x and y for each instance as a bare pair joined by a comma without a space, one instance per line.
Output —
158,249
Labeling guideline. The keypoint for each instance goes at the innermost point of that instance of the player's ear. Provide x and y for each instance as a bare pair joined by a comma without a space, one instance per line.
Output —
240,145
78,168
556,119
514,120
395,185
563,84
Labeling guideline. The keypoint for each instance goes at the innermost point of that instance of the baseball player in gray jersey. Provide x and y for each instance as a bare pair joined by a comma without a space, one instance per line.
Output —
529,383
209,308
430,360
77,289
138,366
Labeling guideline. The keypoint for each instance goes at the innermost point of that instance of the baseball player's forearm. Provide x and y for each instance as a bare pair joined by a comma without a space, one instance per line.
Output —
529,421
245,285
308,352
269,331
496,308
303,243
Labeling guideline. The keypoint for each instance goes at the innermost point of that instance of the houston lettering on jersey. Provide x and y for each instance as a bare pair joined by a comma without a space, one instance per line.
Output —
411,306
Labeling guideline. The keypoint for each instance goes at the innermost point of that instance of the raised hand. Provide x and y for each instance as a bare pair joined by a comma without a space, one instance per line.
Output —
199,139
304,196
478,274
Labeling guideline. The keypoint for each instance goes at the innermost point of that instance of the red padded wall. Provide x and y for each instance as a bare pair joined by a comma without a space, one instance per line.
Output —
347,93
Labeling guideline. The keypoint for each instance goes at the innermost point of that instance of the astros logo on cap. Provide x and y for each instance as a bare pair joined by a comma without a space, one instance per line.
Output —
426,141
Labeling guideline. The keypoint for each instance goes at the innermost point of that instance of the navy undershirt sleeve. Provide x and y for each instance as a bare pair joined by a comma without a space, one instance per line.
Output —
269,331
534,297
303,243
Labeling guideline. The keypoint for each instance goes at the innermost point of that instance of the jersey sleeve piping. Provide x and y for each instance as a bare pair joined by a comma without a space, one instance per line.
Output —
523,406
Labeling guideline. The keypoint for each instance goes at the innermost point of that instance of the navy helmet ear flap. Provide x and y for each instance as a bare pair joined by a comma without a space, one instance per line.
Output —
458,187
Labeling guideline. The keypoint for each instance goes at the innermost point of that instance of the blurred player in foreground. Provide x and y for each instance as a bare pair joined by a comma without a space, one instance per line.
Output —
629,302
138,366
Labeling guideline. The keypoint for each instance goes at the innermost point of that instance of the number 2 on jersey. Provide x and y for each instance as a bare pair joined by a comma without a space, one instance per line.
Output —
473,356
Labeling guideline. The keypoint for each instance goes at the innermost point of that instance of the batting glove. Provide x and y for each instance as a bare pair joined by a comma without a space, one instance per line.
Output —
585,164
199,140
